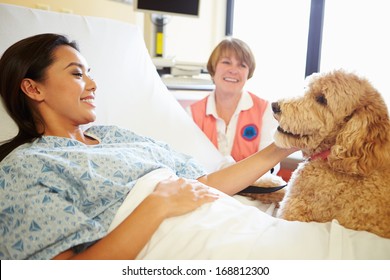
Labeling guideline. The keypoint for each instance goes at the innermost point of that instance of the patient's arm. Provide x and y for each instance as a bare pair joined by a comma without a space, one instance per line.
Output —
172,197
240,175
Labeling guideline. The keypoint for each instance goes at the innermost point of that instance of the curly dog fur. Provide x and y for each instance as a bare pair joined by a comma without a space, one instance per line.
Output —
342,126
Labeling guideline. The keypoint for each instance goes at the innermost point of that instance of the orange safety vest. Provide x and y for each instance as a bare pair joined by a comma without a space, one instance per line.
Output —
248,130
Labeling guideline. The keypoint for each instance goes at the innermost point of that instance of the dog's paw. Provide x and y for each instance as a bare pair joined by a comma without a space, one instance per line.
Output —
269,180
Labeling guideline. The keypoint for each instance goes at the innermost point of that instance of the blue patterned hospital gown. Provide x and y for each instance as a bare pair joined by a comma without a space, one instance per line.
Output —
58,193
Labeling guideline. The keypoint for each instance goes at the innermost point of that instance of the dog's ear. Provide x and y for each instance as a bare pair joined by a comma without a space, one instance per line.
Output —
363,143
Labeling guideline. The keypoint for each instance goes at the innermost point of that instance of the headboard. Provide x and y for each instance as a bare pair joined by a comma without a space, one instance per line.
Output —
130,92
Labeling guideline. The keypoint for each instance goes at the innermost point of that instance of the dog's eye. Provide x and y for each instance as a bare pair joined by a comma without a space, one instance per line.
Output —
321,99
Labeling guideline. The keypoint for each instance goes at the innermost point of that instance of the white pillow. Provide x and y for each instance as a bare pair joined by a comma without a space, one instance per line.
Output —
130,92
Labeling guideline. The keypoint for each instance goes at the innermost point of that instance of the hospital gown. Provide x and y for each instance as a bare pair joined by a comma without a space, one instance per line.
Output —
58,193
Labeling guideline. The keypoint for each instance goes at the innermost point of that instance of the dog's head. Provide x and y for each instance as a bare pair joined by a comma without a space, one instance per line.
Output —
340,112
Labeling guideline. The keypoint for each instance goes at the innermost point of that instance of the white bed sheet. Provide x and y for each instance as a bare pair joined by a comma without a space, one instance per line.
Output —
229,229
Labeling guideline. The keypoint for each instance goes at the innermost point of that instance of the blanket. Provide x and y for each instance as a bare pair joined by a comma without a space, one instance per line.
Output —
229,229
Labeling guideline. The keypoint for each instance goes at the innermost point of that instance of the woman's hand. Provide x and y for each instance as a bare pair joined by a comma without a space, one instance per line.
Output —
171,197
179,196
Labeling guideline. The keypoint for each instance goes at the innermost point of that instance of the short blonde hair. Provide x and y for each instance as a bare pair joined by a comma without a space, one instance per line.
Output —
238,48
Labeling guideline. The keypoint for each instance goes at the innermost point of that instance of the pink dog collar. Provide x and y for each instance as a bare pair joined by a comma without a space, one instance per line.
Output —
322,155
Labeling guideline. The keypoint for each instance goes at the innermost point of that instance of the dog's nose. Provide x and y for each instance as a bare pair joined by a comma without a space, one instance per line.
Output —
275,107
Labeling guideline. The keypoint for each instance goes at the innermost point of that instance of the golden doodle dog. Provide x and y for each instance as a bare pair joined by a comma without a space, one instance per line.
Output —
342,126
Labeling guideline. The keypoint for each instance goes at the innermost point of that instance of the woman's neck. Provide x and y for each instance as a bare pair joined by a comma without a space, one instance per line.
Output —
226,105
75,133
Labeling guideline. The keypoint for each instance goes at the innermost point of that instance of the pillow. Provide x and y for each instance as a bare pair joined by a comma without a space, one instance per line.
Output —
130,93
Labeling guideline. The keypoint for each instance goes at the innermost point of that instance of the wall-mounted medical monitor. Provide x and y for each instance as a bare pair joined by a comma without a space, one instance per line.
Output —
169,7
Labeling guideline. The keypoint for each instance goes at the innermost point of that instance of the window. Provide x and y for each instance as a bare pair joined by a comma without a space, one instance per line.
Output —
354,38
276,31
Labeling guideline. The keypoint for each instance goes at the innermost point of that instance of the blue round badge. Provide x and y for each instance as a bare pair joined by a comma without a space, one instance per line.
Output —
249,132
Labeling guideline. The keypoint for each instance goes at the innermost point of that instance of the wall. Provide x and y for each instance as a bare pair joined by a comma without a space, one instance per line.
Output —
99,8
187,39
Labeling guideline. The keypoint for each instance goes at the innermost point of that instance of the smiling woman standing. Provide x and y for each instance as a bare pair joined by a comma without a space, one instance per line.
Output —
236,121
